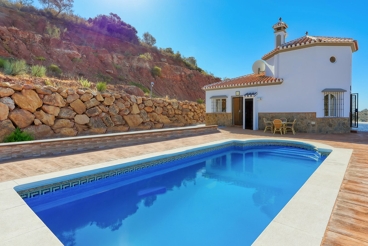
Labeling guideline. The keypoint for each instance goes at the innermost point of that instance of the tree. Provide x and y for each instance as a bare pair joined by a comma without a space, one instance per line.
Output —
23,2
191,60
148,39
58,5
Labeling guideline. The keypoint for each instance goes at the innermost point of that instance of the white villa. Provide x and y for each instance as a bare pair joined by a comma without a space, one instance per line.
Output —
308,79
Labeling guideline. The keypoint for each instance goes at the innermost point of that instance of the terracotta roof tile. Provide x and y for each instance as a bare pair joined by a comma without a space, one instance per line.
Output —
312,40
245,81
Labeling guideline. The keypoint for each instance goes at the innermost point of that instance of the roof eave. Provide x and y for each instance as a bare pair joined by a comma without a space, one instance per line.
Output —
243,86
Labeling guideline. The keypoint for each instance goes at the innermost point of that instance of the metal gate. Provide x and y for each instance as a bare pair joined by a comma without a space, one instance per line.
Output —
354,110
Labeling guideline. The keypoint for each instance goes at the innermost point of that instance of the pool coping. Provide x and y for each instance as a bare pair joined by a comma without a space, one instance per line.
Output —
302,221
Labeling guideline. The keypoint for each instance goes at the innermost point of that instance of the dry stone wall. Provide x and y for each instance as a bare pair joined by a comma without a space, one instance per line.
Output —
48,112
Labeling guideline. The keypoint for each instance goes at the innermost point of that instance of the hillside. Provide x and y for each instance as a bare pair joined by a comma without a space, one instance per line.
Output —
363,115
97,53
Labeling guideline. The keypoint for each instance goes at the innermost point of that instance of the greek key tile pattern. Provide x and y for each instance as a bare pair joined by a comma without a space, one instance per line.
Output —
29,193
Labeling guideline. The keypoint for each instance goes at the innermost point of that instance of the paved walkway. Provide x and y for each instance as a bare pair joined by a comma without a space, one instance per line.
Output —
349,220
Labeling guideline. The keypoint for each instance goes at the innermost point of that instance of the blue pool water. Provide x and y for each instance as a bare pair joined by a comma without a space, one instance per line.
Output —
222,197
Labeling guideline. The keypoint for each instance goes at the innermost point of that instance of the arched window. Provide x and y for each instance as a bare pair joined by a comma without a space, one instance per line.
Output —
330,105
333,102
278,40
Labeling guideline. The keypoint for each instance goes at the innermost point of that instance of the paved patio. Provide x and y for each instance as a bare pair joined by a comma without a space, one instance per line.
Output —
348,223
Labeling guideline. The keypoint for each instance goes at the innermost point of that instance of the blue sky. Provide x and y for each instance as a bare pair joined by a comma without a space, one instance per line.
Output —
227,36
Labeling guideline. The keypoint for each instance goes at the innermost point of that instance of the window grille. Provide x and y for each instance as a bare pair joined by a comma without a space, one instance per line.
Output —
219,105
333,103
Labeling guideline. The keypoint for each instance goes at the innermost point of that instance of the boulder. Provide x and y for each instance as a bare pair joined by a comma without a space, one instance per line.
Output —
86,97
139,100
120,104
113,110
93,111
6,127
5,92
66,113
43,91
96,125
158,110
133,120
99,97
64,93
81,119
16,87
118,120
148,109
164,119
40,132
135,109
109,101
47,119
4,111
37,122
148,103
54,99
115,129
78,106
8,101
70,91
174,104
144,116
158,126
154,117
69,132
51,109
62,123
124,112
107,120
91,103
103,108
81,128
72,98
28,100
21,118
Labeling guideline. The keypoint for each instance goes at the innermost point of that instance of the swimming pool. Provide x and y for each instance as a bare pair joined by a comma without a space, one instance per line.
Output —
226,194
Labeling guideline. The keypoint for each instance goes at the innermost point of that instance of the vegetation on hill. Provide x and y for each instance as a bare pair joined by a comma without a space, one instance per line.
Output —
363,115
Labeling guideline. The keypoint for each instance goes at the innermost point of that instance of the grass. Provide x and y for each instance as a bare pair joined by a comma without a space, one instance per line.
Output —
38,71
84,82
55,69
17,136
17,67
101,86
146,56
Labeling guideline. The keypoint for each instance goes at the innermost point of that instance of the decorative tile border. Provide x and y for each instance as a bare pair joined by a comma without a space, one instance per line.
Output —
41,190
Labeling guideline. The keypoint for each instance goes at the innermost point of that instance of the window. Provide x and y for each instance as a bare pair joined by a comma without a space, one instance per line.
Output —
332,59
333,103
219,105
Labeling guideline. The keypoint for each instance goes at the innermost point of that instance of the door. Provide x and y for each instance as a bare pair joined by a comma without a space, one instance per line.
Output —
238,111
354,110
248,109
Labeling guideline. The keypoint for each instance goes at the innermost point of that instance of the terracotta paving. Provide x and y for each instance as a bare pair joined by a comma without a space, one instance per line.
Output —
348,223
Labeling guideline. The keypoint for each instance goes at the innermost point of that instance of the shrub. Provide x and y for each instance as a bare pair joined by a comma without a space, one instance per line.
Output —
2,62
84,82
40,58
15,67
142,87
101,86
55,69
200,101
53,31
48,82
38,71
18,135
146,56
156,71
148,39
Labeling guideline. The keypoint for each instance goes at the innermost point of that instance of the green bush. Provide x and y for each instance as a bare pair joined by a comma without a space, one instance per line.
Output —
200,101
101,86
18,135
38,71
15,67
55,69
84,82
156,71
146,56
2,62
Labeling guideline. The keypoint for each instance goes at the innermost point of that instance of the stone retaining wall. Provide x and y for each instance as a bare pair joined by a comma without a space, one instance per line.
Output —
304,122
221,119
49,112
10,151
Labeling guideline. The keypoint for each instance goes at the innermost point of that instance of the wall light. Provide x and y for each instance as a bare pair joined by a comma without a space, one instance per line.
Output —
237,93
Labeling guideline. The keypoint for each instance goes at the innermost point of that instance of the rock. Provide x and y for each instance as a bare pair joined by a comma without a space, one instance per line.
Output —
106,94
47,119
81,92
133,99
120,104
96,125
21,118
133,90
4,111
66,113
181,119
4,84
139,100
124,112
135,109
148,103
174,104
133,120
141,106
64,94
113,110
158,126
93,111
40,132
37,122
141,127
70,132
28,100
62,123
154,117
115,129
5,92
81,119
158,110
107,120
99,97
51,88
81,128
86,97
109,101
164,119
144,116
54,99
91,103
72,98
78,106
8,102
6,127
118,120
103,108
43,91
51,109
70,91
16,87
148,109
29,87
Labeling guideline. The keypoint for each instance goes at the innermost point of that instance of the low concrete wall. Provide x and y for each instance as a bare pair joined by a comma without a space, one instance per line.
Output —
304,122
39,148
221,119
